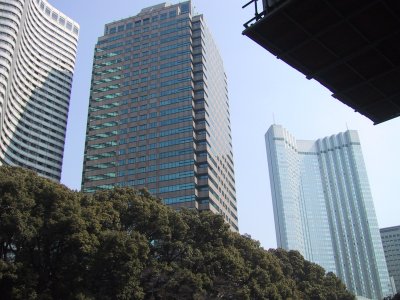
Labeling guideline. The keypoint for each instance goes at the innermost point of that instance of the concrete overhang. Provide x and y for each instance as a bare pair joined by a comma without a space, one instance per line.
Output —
352,47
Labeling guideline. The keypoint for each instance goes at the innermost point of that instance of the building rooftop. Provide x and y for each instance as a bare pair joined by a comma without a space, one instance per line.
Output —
351,47
388,229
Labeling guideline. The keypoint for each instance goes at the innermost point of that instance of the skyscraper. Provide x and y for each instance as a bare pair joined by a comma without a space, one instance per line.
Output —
391,246
159,112
323,207
37,58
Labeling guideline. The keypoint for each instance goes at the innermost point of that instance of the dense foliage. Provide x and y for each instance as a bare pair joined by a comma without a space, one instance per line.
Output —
124,244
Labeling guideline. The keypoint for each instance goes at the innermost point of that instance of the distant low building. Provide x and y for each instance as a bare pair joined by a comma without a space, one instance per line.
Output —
391,246
323,207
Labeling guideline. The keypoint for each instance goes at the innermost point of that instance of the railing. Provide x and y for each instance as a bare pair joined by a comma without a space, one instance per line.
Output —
267,6
257,15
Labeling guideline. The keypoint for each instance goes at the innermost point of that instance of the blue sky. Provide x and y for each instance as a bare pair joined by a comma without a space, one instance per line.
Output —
261,89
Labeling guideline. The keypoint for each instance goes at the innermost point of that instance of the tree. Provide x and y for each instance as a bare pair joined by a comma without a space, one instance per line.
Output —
125,244
44,240
57,244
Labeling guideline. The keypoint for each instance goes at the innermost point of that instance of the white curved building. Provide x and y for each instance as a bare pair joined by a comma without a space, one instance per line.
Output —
37,57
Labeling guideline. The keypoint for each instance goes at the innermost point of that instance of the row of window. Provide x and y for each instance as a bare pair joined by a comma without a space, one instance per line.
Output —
154,156
101,176
153,179
102,145
152,105
154,191
103,125
181,199
45,173
178,187
151,135
135,182
147,106
145,70
106,88
52,130
152,69
184,8
34,148
155,146
98,188
175,72
107,71
107,79
145,44
100,155
101,166
175,46
173,38
12,7
178,175
174,29
129,161
108,63
142,117
34,154
54,15
39,99
175,81
58,35
170,55
176,164
23,66
106,97
37,137
103,106
131,172
60,50
99,53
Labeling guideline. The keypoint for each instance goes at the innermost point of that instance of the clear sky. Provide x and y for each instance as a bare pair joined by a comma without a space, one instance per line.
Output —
261,89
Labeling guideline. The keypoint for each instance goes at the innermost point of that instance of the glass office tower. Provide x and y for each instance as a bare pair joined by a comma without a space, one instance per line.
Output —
159,112
37,58
323,207
391,246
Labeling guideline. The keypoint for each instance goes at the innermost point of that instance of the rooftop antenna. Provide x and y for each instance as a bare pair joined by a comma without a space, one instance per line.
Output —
273,118
347,126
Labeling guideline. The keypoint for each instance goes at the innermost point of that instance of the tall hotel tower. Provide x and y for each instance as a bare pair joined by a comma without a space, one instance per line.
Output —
323,207
37,58
159,112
